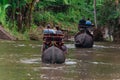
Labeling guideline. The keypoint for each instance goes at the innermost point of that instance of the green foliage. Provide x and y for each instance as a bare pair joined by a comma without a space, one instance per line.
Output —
3,13
107,12
64,12
28,1
42,17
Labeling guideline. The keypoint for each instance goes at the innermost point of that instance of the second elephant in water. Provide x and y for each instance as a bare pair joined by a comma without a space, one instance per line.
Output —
84,40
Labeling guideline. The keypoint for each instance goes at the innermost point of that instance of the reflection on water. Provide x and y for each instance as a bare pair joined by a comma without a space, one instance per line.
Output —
33,61
101,46
22,61
70,46
70,62
30,61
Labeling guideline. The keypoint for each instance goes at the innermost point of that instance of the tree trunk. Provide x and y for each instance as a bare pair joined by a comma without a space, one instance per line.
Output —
19,18
117,32
31,6
95,16
117,8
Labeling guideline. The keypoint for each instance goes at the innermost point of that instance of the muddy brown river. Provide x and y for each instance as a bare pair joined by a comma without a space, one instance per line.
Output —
21,60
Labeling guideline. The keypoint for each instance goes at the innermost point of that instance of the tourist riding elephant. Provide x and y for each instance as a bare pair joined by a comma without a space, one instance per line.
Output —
84,40
53,55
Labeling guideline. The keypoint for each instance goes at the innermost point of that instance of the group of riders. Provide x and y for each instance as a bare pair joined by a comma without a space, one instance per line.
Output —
53,37
82,24
85,23
50,34
49,30
85,26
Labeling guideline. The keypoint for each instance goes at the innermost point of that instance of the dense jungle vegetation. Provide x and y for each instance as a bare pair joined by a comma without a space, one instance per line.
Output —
23,17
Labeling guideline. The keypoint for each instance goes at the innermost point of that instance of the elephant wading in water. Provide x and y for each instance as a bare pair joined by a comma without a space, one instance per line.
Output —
83,39
54,51
53,55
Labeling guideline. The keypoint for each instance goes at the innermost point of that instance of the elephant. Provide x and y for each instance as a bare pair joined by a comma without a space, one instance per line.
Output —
54,55
84,39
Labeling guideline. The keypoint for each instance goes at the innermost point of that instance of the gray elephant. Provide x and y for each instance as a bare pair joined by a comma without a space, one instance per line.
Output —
84,39
54,55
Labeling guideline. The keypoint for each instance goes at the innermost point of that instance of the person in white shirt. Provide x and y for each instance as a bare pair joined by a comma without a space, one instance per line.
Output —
58,31
48,30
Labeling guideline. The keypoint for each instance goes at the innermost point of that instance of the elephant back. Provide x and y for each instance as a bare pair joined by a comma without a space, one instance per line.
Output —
53,55
83,40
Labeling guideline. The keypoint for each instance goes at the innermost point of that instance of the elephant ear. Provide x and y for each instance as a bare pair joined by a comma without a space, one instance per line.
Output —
80,38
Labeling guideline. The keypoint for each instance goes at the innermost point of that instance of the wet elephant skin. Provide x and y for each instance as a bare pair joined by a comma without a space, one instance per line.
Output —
53,55
84,40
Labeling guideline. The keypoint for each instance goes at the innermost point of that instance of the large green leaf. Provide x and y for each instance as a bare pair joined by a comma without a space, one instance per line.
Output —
3,13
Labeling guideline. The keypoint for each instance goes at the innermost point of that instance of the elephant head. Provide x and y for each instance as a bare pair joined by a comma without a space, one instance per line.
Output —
53,55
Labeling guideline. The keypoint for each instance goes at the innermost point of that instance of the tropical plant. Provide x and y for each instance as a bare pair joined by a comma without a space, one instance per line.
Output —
3,6
21,15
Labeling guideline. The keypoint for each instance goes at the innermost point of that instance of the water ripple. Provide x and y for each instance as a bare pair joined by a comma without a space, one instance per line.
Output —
30,61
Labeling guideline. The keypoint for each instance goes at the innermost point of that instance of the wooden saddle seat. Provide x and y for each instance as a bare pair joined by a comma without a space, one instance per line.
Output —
53,39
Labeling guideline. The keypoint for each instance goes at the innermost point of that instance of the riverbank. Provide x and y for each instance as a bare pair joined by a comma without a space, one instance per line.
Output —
36,34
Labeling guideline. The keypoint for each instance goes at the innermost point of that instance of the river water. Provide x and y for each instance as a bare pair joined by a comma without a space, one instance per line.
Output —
21,60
